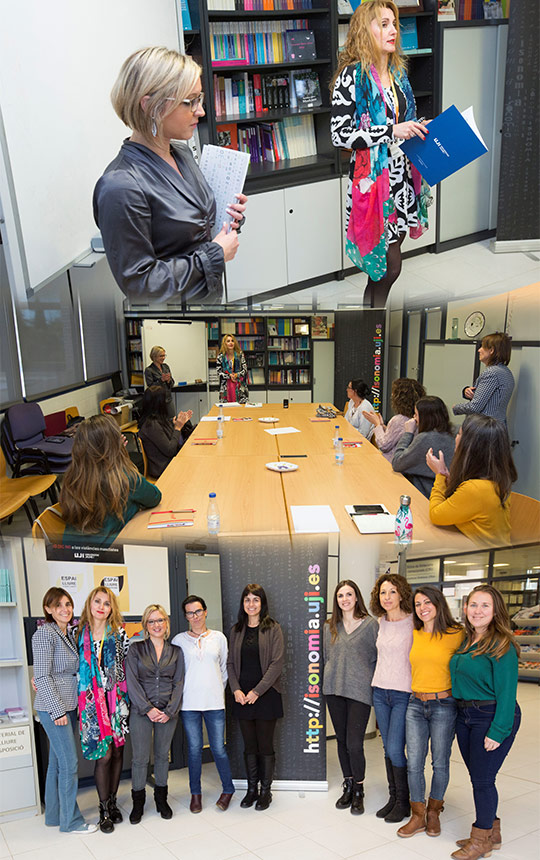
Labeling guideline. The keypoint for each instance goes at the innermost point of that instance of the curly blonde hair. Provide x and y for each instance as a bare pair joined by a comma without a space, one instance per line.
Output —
360,45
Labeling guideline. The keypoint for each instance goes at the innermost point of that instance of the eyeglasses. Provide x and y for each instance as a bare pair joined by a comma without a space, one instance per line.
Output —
154,621
194,103
196,614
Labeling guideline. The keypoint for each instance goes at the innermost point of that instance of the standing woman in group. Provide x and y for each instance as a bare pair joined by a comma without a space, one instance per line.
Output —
103,698
350,655
373,110
404,397
484,682
56,662
474,494
493,389
232,371
155,209
391,602
159,373
205,659
254,668
432,710
155,681
357,406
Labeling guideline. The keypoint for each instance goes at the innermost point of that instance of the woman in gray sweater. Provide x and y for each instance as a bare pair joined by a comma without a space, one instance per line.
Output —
350,655
434,431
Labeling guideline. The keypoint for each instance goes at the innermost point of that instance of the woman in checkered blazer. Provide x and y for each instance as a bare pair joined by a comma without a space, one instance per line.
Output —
56,663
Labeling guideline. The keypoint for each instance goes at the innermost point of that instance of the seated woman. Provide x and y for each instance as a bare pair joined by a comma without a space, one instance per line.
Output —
357,391
434,432
161,437
102,490
405,394
473,495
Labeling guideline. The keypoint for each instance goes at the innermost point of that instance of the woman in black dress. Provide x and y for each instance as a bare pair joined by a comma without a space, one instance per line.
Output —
254,668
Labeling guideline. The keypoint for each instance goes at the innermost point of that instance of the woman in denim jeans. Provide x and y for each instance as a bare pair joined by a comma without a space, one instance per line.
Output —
56,661
432,711
484,682
391,602
205,658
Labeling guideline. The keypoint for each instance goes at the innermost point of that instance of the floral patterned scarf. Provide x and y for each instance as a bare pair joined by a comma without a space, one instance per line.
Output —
103,714
372,205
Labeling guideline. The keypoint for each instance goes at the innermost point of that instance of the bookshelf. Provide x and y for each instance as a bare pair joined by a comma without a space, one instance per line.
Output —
135,358
289,352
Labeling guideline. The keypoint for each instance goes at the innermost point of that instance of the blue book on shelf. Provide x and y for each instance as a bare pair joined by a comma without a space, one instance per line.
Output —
453,141
186,17
409,34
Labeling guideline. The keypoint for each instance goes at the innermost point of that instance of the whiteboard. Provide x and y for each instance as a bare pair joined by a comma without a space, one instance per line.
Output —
186,346
58,62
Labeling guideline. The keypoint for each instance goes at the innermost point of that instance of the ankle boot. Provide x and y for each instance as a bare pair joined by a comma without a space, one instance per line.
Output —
401,808
478,845
160,796
434,809
417,822
345,800
252,773
114,813
266,769
137,812
381,813
496,837
357,803
105,824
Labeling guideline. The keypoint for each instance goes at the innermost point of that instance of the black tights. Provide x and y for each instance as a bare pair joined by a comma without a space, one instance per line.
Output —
258,736
107,772
376,292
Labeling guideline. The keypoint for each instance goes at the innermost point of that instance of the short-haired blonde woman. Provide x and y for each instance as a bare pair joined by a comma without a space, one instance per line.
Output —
232,371
391,603
155,210
103,699
56,663
159,373
102,490
155,682
493,389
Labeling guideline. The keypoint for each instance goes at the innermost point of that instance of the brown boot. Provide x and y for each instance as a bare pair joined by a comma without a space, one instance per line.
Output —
417,822
496,838
434,809
478,845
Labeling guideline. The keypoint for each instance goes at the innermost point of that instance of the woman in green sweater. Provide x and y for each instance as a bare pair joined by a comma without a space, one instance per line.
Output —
484,681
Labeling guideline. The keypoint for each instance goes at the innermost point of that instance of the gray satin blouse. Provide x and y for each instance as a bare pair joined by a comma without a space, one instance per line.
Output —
156,227
152,683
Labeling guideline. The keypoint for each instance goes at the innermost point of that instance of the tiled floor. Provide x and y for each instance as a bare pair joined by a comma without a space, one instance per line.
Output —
303,825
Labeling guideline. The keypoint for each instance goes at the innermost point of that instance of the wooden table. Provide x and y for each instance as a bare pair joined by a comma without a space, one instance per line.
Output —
253,500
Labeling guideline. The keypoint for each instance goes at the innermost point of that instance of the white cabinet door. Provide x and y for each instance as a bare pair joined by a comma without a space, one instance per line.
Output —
197,401
261,261
313,221
276,395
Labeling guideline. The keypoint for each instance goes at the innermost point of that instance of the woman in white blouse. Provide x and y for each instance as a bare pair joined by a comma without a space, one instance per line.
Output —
357,392
205,658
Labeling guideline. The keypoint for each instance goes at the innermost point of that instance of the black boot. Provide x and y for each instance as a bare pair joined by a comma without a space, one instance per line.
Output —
137,812
252,773
114,813
266,770
160,796
357,805
345,800
402,808
388,807
105,823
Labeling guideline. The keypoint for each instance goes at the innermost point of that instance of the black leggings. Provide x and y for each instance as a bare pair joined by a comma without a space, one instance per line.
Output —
376,292
107,772
258,736
350,719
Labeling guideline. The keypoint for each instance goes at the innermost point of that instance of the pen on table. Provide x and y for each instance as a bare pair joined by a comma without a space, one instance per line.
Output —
293,456
181,511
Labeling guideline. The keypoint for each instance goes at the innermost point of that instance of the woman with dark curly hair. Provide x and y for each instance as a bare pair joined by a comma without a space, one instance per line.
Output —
404,397
391,603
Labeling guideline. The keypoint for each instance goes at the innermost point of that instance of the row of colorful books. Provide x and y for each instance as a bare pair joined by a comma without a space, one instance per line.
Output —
289,357
243,94
289,342
292,137
249,327
256,376
257,5
257,42
289,377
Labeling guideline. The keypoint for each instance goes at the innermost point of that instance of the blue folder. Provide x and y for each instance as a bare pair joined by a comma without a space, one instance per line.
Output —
449,146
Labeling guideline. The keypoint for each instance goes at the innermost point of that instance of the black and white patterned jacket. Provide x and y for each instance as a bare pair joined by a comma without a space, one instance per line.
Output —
492,392
56,663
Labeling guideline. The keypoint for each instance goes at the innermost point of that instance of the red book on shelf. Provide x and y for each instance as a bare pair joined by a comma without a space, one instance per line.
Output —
239,61
227,135
257,93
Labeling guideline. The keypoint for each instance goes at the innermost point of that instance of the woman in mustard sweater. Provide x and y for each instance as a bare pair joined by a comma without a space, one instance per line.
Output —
432,710
484,682
474,494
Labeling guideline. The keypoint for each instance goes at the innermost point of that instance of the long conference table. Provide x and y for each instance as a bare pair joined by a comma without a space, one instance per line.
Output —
256,501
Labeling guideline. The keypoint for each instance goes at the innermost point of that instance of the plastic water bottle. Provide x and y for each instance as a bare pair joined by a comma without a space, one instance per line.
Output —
336,435
219,431
404,521
212,515
340,453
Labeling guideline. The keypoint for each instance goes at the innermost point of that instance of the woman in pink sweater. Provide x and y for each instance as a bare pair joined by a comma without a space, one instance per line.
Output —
405,394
